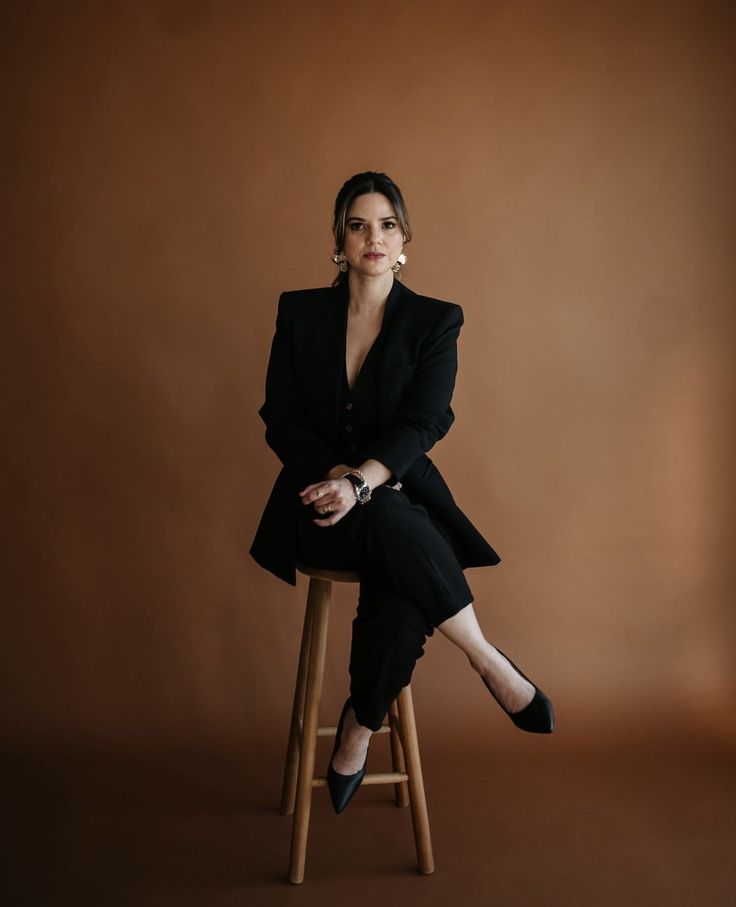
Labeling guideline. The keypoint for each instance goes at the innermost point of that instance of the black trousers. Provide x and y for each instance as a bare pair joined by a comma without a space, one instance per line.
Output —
410,582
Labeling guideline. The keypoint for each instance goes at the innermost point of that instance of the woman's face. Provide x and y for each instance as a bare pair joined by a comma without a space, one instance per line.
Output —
373,237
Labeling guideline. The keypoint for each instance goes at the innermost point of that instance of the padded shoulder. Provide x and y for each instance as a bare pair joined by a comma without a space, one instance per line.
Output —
439,313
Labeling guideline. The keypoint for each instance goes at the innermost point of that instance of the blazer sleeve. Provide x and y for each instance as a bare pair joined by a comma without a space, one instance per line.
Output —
424,415
289,433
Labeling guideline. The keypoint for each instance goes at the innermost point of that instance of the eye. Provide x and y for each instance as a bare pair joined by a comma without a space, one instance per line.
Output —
355,226
389,224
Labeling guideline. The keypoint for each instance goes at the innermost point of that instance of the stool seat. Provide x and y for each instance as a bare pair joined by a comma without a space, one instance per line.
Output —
299,777
334,576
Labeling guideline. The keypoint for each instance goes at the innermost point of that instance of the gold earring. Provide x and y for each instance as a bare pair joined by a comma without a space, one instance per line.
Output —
401,260
341,261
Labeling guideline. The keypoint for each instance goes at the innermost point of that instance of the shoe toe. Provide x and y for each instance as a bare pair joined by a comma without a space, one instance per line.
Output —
538,717
342,788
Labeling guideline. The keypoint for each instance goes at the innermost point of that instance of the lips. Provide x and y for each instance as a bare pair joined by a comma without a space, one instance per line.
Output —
374,255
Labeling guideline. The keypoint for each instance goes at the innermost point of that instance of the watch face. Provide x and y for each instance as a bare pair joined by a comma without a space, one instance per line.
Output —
362,489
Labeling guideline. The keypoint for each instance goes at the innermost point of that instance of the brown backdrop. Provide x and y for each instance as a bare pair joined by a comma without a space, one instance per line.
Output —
170,168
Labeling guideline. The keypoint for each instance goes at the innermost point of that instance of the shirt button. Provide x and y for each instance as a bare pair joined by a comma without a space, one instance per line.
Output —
348,428
348,406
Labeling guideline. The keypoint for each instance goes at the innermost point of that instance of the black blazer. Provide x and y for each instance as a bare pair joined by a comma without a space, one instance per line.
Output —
417,372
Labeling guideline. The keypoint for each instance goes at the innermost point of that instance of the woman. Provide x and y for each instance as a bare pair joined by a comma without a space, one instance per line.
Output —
358,389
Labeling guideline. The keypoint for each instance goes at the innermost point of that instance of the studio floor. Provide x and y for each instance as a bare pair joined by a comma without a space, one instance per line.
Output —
644,819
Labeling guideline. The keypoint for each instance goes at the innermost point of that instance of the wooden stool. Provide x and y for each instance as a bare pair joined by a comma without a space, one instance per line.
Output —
299,778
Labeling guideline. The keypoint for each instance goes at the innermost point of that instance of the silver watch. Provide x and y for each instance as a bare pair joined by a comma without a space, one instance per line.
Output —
360,487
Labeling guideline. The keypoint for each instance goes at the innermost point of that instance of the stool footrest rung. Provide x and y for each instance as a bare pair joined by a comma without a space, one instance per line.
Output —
331,731
374,778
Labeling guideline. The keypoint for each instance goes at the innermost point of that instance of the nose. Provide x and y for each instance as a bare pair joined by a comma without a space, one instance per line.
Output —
374,234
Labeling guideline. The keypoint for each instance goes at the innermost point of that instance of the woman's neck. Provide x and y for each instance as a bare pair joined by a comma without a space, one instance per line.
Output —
368,295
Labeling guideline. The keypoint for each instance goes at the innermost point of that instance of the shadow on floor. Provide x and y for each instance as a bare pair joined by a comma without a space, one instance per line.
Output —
642,821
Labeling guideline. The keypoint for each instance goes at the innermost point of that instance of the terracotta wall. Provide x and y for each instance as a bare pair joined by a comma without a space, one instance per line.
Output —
170,169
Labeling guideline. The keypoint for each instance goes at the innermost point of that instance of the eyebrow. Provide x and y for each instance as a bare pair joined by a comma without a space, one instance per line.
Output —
362,219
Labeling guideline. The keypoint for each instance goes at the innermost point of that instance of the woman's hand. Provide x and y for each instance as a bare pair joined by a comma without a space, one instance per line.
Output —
338,494
332,497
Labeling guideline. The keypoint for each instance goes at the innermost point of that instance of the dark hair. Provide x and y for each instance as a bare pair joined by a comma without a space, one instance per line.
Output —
361,184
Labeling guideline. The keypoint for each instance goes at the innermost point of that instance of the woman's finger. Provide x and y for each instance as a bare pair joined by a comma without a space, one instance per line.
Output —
324,486
316,494
310,488
338,510
330,519
327,492
324,507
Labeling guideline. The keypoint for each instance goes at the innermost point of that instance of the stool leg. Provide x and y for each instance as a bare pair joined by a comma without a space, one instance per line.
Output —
319,597
291,769
401,790
417,799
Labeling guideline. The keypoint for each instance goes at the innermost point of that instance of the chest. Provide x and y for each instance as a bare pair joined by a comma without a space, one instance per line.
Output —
360,335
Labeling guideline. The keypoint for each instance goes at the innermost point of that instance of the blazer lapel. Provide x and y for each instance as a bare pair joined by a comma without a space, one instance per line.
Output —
393,304
325,356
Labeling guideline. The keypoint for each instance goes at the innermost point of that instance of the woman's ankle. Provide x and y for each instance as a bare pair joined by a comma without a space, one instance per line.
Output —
482,660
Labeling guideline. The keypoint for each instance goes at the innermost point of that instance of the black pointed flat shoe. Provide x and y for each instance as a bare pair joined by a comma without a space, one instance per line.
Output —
342,787
538,717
